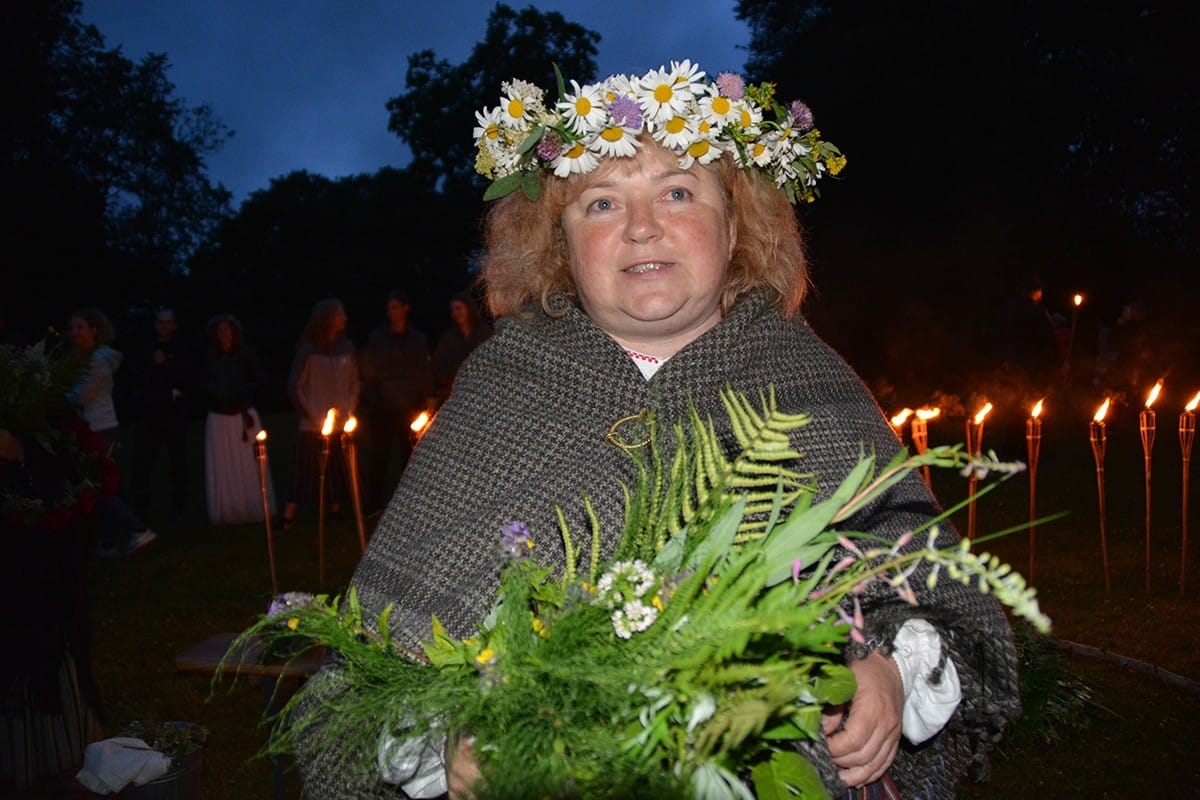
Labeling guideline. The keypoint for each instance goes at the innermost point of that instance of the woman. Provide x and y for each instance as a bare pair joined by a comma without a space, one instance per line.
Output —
122,532
231,475
651,277
324,377
469,330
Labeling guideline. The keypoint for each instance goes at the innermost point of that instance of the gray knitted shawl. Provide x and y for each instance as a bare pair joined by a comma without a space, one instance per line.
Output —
524,431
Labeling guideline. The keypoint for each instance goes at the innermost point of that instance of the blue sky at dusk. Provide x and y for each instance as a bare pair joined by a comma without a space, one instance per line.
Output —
304,84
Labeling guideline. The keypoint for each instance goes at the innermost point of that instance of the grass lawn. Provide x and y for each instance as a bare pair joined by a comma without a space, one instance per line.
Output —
1141,738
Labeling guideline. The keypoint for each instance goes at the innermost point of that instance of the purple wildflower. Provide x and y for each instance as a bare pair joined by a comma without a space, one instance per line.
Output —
288,601
549,147
626,112
731,85
802,115
515,541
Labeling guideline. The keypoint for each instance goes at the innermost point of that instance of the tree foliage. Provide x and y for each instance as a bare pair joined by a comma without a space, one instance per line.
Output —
1043,107
436,113
102,167
986,140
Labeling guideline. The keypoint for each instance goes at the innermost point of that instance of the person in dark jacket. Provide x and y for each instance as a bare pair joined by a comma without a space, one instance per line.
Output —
164,374
397,380
470,329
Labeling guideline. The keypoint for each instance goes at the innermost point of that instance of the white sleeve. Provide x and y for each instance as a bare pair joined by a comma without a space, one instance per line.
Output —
416,763
917,650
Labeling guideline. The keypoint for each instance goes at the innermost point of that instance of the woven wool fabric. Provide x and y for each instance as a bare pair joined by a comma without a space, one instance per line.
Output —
524,431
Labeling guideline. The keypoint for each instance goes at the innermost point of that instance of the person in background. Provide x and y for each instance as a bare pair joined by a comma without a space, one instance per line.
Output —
53,472
164,377
469,330
324,376
397,386
121,531
232,376
645,277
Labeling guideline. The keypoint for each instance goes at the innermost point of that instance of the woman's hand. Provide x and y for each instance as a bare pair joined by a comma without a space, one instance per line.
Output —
462,773
869,734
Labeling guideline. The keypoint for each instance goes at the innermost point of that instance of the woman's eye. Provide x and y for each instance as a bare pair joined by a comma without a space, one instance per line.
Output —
679,194
601,205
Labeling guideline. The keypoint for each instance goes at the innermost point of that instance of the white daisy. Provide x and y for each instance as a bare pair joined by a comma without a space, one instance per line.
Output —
614,140
749,117
522,104
583,109
488,128
717,109
576,159
704,149
676,133
667,93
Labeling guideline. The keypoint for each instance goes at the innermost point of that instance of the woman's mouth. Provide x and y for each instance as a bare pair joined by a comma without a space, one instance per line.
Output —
649,266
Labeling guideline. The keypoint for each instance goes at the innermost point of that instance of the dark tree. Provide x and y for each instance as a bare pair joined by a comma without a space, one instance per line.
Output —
436,114
984,140
102,168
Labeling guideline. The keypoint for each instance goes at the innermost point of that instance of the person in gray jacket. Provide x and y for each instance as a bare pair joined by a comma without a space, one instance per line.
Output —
651,278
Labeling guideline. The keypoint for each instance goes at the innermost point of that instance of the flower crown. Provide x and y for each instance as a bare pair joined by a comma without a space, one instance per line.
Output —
677,107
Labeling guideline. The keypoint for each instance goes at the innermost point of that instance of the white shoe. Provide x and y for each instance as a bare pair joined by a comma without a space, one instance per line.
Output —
139,541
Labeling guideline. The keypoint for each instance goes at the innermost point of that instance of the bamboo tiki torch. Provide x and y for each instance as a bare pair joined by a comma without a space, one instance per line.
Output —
260,454
920,434
1187,432
1146,424
350,455
1099,439
1033,448
975,449
1077,302
898,420
326,430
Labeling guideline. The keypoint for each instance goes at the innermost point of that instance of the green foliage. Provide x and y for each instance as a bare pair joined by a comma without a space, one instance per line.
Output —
677,679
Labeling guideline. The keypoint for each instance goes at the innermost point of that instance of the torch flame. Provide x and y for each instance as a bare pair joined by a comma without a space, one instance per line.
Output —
1078,300
983,412
420,422
1154,393
350,425
901,416
1037,409
1101,411
261,435
327,428
1194,402
928,413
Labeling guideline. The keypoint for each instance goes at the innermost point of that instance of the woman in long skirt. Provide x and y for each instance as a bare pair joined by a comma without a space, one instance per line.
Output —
232,479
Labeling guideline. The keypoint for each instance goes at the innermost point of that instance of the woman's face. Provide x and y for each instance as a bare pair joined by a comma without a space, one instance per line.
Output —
83,335
649,246
224,335
459,313
338,320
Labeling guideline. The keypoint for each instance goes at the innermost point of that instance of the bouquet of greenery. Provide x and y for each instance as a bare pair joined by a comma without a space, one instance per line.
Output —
52,467
683,666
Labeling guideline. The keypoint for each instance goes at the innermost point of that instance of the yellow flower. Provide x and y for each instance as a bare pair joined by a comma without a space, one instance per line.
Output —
835,164
539,628
293,623
486,656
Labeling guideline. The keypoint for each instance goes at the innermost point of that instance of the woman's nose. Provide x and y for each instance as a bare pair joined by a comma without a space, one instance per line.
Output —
642,224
